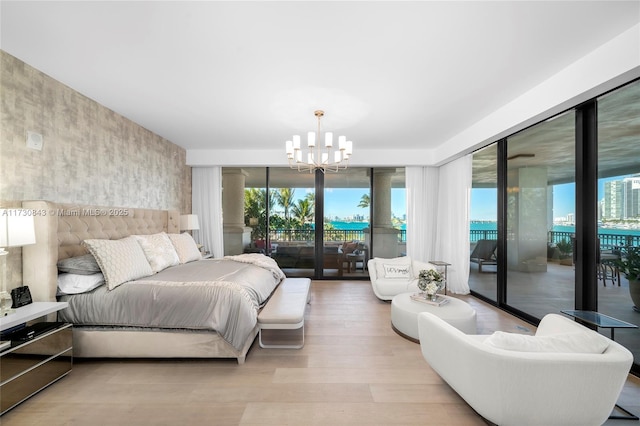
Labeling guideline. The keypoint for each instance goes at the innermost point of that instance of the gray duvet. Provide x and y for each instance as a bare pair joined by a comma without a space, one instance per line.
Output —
222,295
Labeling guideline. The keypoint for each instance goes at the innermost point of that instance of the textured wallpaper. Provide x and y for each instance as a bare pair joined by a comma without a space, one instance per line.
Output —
91,155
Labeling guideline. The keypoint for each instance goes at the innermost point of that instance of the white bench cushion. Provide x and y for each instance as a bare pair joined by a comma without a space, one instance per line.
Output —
287,304
285,310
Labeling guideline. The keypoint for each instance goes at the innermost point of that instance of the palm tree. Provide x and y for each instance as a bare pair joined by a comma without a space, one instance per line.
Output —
303,212
365,201
284,197
255,207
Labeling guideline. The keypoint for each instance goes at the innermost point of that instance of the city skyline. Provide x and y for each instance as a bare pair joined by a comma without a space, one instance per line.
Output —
484,201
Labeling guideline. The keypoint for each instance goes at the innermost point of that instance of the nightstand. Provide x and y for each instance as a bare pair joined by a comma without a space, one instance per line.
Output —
40,352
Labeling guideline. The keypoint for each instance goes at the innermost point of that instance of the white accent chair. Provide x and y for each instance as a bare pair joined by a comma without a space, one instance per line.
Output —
517,387
385,288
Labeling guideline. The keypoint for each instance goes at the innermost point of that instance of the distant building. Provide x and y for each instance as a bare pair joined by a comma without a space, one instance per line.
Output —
621,199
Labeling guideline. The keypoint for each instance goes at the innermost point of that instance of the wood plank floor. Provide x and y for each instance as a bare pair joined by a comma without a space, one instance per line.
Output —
353,369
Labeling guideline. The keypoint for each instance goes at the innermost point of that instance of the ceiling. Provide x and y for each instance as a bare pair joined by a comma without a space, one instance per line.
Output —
248,75
551,144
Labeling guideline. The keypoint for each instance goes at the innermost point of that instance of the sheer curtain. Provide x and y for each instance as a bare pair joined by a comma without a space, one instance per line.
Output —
421,185
206,202
452,232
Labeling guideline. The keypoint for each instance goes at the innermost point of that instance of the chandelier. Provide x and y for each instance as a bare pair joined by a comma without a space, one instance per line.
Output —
318,156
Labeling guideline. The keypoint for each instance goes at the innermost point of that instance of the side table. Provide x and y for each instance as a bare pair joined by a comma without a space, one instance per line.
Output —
446,265
603,321
29,365
353,258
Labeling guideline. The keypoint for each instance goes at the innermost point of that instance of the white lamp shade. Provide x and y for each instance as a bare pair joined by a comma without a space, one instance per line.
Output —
189,222
16,228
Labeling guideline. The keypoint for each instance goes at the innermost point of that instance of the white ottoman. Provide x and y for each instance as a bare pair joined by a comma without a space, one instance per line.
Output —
404,315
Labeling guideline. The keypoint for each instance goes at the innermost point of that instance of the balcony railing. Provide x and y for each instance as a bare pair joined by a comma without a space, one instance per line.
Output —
606,240
300,235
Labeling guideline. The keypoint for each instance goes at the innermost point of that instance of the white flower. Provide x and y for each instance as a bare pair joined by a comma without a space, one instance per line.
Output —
429,281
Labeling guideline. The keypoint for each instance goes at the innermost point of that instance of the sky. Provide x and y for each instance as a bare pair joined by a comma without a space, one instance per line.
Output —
343,202
484,200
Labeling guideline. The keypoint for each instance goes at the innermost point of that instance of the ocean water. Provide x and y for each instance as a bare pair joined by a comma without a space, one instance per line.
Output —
354,226
489,226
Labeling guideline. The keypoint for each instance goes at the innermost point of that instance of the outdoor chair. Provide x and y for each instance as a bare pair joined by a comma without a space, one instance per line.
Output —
484,253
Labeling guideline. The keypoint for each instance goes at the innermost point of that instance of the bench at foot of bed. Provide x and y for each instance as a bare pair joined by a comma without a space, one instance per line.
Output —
285,311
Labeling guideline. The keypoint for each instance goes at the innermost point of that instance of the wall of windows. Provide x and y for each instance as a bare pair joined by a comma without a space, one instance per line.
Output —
619,207
317,225
567,206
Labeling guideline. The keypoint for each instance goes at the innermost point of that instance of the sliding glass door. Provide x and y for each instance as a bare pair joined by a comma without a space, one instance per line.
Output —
483,216
347,202
540,212
619,207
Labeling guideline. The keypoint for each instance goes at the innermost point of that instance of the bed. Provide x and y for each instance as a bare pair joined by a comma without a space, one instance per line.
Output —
234,288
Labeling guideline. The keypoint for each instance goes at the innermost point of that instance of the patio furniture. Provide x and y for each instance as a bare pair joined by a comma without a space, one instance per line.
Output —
484,253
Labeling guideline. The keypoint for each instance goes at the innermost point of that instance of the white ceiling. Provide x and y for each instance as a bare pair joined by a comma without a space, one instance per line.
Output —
248,75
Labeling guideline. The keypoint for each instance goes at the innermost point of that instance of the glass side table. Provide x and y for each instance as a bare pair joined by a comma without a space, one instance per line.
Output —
445,264
604,321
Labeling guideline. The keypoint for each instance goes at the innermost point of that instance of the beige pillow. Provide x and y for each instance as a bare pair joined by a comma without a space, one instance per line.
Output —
158,250
186,247
572,342
120,260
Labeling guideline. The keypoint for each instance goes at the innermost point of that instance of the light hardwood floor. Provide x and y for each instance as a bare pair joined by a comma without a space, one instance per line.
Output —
353,369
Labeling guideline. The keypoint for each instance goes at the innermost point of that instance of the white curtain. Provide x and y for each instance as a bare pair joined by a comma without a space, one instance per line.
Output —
422,194
206,202
452,232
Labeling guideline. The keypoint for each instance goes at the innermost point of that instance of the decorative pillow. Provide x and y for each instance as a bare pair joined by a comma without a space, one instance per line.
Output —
78,283
120,260
397,271
349,247
398,261
185,247
574,342
159,250
83,265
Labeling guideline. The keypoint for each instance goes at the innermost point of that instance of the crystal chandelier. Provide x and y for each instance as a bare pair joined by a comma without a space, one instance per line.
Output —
326,158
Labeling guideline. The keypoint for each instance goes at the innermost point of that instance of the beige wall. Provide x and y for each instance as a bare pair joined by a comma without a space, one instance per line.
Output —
91,155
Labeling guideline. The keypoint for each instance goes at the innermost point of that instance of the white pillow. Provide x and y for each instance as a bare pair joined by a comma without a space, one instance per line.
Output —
158,250
120,260
78,283
398,261
397,271
186,247
574,342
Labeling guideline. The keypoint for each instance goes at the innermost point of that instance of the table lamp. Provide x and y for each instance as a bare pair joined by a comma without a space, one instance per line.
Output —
189,222
16,230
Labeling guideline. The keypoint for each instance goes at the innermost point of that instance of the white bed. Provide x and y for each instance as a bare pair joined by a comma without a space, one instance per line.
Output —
60,230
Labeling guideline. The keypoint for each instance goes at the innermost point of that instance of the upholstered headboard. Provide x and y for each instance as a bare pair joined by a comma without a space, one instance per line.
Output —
61,228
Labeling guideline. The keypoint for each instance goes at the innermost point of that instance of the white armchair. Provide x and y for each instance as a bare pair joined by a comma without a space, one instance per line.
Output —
386,287
518,387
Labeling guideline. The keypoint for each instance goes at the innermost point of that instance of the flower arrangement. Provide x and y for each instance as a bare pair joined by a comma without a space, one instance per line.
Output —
430,281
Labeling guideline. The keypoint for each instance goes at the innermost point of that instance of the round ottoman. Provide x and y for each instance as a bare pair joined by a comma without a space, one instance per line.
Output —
404,315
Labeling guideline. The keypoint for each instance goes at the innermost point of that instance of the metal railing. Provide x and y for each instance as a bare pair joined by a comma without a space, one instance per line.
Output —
477,235
606,240
300,235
